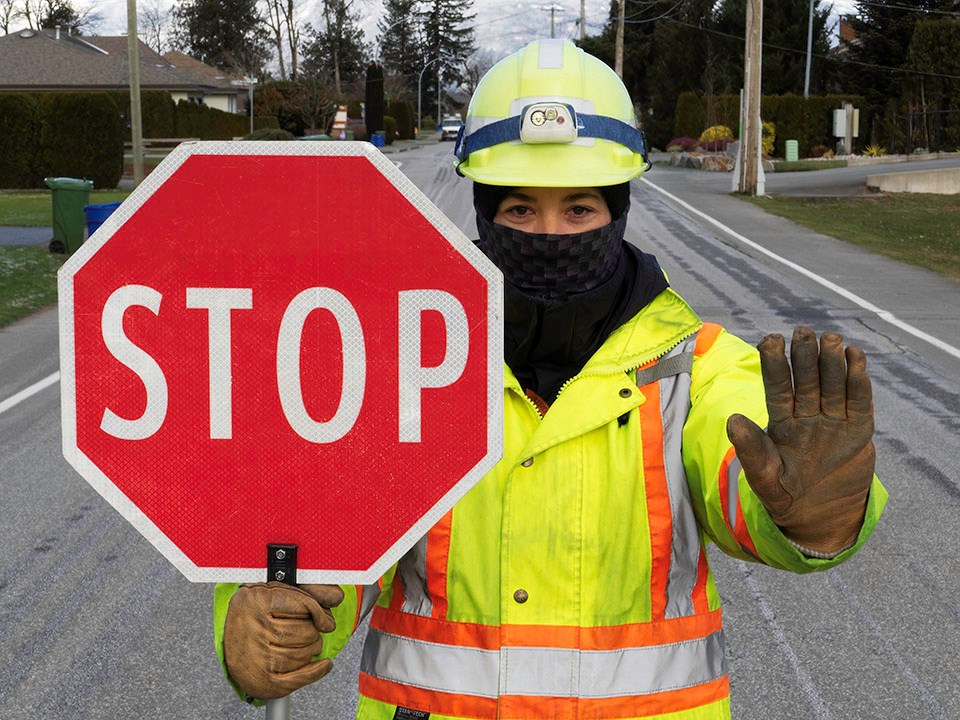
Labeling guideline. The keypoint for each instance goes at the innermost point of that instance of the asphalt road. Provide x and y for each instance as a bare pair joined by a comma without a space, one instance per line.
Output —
94,623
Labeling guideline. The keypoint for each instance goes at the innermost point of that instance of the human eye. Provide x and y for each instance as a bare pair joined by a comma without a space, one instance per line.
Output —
518,211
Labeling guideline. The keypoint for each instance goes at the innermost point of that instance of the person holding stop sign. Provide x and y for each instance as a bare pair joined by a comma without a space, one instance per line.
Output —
572,580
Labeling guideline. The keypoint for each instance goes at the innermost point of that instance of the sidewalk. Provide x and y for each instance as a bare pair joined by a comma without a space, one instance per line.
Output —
25,235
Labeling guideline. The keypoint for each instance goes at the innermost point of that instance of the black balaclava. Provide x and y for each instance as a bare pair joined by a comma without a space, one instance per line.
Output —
564,294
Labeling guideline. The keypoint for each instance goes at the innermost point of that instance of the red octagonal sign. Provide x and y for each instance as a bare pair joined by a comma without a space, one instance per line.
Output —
281,342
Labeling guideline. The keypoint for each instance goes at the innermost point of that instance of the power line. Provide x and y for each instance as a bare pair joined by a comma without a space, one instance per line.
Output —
831,58
923,11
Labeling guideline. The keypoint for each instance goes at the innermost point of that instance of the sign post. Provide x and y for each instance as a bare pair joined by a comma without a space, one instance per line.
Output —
279,341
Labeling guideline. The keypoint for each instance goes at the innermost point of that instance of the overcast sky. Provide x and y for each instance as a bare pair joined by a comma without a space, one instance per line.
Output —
502,26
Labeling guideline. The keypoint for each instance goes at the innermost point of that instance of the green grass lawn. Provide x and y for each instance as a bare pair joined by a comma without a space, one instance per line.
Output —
922,230
33,208
28,281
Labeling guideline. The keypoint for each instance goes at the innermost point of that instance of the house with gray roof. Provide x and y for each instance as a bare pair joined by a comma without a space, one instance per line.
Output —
52,60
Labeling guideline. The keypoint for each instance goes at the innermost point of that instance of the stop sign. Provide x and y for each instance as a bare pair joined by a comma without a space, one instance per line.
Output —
280,342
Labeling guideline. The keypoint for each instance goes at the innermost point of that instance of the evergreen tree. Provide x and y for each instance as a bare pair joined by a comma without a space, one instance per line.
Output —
228,34
783,64
60,13
335,50
934,92
374,107
448,35
884,29
399,40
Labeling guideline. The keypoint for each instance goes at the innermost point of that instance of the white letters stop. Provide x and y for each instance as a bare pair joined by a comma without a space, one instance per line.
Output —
220,303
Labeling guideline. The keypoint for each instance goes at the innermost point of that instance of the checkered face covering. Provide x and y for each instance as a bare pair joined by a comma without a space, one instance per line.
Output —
553,267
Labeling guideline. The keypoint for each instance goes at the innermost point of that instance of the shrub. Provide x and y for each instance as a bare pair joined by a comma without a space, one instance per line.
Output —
264,122
389,129
767,138
82,136
818,151
270,134
715,133
20,123
682,144
875,151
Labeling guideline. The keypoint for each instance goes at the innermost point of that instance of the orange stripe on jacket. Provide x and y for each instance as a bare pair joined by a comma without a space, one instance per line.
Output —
519,707
701,603
741,534
524,707
438,555
706,337
492,637
467,706
659,516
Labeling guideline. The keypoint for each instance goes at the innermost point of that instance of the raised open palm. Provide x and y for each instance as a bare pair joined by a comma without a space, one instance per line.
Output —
813,467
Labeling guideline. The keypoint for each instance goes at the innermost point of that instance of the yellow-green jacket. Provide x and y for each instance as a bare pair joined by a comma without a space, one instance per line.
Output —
571,582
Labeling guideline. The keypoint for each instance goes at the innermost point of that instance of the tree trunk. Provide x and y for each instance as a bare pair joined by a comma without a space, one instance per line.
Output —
293,38
276,26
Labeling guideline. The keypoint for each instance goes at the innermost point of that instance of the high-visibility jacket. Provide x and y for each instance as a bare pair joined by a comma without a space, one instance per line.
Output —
571,582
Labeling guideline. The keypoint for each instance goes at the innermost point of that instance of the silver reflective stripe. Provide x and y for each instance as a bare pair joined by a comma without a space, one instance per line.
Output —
544,672
367,600
674,378
733,491
551,55
431,666
613,673
412,570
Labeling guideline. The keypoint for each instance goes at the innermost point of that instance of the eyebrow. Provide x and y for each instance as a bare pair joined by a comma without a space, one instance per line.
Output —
573,197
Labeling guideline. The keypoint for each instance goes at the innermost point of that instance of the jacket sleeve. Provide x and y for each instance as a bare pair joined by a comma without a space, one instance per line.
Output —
726,379
358,601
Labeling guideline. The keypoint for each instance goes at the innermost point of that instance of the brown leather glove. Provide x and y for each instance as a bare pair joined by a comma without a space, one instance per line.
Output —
813,467
271,634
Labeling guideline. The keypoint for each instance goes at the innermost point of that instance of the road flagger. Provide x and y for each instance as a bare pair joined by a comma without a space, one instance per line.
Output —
572,580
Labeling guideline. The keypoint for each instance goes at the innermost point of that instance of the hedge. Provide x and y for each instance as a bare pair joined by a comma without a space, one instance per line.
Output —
158,113
809,121
206,123
20,123
402,112
82,136
389,129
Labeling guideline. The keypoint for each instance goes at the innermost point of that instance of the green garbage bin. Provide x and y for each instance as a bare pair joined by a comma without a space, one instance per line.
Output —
70,196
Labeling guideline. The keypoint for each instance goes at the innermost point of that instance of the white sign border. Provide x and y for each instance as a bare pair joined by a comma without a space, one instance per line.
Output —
112,494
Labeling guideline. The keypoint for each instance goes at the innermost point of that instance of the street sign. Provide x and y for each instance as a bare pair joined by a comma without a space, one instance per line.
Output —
280,342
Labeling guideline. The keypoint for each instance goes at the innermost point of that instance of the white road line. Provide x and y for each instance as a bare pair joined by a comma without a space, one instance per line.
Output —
843,292
27,392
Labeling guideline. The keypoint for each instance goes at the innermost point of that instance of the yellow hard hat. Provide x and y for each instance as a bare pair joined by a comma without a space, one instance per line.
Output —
550,115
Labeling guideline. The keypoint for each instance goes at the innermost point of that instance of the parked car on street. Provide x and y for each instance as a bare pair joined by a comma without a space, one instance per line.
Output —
450,127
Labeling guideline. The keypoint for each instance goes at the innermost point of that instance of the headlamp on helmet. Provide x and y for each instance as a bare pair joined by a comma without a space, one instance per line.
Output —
548,123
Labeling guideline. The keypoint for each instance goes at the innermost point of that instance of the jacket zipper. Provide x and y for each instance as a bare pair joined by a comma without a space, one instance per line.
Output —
605,374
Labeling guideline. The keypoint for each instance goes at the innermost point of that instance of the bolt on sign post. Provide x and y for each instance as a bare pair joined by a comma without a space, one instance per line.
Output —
287,343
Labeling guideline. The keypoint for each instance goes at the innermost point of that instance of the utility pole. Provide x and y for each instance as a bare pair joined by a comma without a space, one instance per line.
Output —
806,77
583,19
618,65
552,9
133,67
750,170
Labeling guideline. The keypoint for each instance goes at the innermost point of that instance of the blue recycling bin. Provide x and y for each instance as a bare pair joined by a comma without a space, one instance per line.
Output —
96,214
378,139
